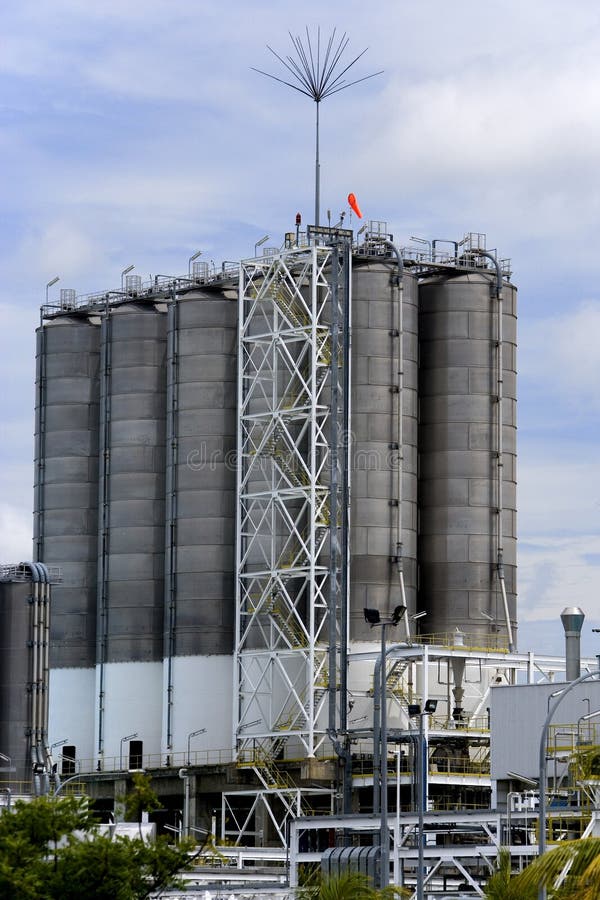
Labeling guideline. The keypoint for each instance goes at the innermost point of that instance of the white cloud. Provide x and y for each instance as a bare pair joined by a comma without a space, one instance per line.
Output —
561,354
558,572
558,493
15,534
559,540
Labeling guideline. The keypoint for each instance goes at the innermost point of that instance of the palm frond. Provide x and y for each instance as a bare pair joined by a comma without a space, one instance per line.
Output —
582,856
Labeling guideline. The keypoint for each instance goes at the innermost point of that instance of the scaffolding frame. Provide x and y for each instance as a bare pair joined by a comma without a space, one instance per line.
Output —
291,518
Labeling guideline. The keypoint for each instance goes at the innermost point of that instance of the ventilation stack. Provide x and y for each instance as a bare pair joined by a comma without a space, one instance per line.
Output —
572,618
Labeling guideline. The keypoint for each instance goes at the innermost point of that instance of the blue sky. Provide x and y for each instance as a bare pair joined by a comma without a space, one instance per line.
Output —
137,133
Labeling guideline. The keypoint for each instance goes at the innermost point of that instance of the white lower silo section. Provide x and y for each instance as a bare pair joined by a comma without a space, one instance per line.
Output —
203,700
134,690
71,713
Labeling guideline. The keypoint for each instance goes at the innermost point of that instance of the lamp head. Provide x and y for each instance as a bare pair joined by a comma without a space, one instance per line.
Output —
397,614
430,706
372,616
414,709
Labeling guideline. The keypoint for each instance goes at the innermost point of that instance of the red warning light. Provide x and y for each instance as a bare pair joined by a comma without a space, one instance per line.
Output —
354,205
298,219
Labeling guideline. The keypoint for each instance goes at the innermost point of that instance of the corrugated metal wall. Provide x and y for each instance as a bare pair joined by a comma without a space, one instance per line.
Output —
15,678
375,403
458,453
201,468
66,475
132,427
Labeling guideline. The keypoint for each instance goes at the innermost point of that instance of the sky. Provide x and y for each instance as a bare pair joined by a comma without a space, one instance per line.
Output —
137,133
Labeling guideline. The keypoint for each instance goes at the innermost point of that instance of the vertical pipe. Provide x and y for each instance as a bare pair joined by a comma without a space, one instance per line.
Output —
345,519
421,807
334,585
41,441
399,548
376,735
40,668
317,170
384,834
499,446
34,672
31,709
314,312
104,514
500,465
239,549
171,511
46,660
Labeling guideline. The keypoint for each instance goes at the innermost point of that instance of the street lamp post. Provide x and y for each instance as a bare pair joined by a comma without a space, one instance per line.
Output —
9,767
543,765
397,832
128,737
191,260
189,738
552,696
415,711
79,776
125,272
374,618
185,776
258,244
589,715
49,285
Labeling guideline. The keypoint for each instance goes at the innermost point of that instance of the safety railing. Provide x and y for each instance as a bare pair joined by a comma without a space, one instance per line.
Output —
362,766
20,572
489,643
155,761
477,723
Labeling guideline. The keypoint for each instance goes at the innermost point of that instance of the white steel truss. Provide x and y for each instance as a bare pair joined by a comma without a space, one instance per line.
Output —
289,494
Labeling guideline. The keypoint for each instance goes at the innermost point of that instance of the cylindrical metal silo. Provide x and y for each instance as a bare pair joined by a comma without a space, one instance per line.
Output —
66,517
383,446
16,656
467,467
131,524
201,481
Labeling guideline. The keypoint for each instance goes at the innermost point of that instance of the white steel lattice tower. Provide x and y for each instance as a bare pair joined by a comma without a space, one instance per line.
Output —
292,490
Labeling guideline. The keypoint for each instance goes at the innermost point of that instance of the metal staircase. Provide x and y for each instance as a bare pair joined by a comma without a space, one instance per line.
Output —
288,604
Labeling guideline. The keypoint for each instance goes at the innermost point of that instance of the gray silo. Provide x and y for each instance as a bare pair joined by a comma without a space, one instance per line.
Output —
467,466
384,449
131,523
24,632
200,497
66,479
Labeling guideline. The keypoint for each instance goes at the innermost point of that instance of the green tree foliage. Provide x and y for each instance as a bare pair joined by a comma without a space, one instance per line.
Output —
50,849
349,886
502,885
140,799
570,871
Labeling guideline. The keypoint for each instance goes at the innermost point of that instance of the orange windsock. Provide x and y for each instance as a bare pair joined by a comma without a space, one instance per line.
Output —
354,205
